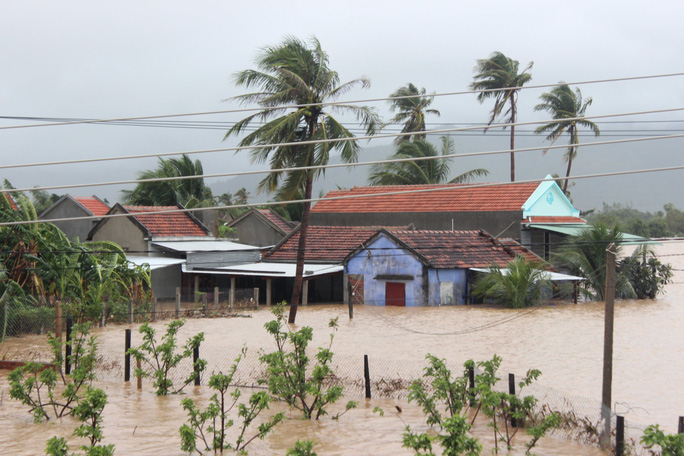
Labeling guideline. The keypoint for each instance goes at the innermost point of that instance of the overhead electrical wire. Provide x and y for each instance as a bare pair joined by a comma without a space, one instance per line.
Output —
355,138
342,103
333,198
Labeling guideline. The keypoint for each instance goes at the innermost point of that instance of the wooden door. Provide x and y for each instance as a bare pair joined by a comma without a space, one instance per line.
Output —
395,294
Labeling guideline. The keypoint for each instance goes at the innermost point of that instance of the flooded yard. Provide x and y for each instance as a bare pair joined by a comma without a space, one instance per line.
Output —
563,340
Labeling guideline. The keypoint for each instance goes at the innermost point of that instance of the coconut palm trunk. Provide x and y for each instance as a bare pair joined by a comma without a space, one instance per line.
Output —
513,116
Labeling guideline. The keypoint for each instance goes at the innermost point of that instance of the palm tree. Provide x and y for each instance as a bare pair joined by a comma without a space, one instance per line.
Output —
411,111
498,77
430,171
585,255
187,192
293,73
567,108
521,284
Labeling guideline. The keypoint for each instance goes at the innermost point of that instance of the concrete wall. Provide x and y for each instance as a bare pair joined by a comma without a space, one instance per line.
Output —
447,287
502,224
388,259
165,280
122,231
71,228
253,231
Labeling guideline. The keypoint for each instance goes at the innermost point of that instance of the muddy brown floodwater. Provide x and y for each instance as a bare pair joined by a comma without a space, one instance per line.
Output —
563,340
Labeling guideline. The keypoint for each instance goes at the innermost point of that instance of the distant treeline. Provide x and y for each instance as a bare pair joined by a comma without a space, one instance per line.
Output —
666,223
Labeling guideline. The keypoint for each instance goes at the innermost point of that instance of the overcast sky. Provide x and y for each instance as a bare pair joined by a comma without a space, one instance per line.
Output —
98,59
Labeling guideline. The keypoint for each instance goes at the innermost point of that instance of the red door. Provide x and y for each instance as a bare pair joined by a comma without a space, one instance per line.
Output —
395,294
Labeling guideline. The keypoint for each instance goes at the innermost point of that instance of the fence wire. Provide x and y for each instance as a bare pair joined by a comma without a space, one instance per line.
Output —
390,378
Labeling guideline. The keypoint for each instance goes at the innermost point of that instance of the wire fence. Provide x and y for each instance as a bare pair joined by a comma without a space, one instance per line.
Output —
388,378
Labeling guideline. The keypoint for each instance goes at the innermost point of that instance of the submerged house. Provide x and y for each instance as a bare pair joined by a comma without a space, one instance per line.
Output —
536,214
423,267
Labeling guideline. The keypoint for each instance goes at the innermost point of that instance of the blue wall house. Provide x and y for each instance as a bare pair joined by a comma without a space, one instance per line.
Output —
423,267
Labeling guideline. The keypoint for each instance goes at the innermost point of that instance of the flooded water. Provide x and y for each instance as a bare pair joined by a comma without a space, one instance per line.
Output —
564,341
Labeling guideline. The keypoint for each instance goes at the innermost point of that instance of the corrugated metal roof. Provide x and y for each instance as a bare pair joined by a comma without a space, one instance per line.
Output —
553,276
155,262
204,246
274,269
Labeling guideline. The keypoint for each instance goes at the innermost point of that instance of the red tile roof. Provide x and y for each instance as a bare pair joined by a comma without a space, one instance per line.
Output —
323,243
555,220
457,249
450,198
276,220
167,224
96,206
521,250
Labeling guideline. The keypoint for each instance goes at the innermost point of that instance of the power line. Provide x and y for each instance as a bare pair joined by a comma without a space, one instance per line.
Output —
342,103
283,203
335,141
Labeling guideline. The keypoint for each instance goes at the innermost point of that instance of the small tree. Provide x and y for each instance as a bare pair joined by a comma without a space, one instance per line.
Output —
161,356
503,408
647,275
670,444
444,403
35,384
210,425
286,369
89,413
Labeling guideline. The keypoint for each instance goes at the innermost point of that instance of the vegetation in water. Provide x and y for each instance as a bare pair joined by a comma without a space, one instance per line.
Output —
287,367
302,448
162,356
670,444
451,406
521,283
209,426
89,413
38,385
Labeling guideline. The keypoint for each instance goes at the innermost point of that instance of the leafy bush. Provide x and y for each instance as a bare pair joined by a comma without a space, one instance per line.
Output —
162,358
35,384
286,369
446,402
210,425
670,444
89,413
647,275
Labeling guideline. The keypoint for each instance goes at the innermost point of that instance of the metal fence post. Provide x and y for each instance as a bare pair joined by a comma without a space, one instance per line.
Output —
620,436
195,357
127,357
67,355
511,390
366,376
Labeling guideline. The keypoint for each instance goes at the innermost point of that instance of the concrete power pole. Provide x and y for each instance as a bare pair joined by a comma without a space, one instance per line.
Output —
607,399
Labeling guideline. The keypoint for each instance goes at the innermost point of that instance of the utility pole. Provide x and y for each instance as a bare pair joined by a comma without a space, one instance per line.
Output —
609,294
